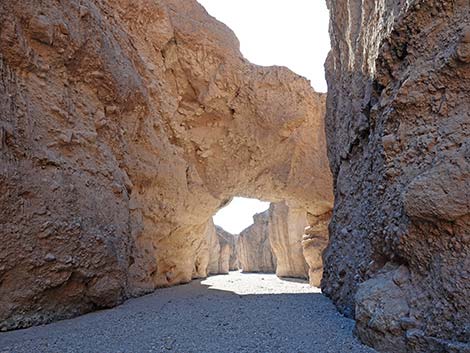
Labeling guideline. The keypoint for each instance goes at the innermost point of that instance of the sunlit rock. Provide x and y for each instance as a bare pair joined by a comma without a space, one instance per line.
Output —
254,247
124,127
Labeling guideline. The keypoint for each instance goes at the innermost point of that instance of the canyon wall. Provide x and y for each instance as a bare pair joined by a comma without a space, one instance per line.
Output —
398,130
314,243
228,254
125,125
254,248
286,227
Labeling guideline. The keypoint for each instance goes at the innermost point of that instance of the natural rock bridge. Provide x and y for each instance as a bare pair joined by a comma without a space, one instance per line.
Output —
125,125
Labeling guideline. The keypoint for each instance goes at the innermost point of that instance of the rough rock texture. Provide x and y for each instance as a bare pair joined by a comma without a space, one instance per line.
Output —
216,252
124,126
221,247
228,260
398,129
254,248
214,248
286,228
202,252
314,242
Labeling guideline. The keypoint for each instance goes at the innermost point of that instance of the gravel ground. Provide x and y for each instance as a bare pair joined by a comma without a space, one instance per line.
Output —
228,313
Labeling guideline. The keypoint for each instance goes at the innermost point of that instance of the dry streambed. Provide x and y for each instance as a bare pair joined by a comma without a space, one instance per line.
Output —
225,313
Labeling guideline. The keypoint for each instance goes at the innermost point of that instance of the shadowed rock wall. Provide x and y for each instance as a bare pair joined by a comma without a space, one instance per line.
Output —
125,125
398,142
254,248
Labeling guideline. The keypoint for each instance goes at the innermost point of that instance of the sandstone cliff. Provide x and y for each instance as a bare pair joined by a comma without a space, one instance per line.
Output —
124,126
254,248
398,129
286,229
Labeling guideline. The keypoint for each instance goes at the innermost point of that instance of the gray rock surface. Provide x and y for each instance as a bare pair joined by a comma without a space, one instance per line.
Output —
398,130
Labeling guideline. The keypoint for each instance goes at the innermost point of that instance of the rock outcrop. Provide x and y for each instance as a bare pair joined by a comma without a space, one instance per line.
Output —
214,248
228,250
254,248
398,129
286,228
314,242
124,126
216,252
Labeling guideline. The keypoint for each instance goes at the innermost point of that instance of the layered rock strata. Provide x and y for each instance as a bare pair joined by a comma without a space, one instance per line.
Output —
398,129
254,247
124,126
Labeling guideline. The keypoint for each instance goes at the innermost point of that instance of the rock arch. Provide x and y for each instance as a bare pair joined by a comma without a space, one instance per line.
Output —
125,126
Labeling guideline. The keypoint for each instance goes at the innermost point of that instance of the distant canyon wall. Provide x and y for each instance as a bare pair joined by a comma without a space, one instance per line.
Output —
254,248
285,240
398,129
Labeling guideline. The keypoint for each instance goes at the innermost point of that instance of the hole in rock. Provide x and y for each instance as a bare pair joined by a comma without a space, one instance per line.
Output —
238,214
274,33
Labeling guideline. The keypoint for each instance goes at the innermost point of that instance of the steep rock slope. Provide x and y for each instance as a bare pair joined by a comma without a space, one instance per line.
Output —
254,248
286,229
314,243
398,130
124,126
228,260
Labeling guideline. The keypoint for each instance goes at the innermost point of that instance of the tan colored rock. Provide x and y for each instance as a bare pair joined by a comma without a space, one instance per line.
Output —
286,228
398,138
228,250
202,253
124,126
213,267
254,248
215,252
314,243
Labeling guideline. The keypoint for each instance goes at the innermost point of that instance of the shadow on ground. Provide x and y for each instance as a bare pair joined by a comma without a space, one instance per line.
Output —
197,318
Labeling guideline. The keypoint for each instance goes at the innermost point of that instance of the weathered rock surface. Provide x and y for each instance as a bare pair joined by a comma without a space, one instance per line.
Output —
228,260
398,129
314,242
124,126
214,248
254,247
203,252
216,252
286,228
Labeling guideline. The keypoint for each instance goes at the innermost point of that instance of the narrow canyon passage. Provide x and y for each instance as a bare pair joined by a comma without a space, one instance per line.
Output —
226,313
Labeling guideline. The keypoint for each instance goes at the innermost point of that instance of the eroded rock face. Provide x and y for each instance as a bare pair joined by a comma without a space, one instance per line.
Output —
286,228
314,243
398,132
124,126
228,250
254,247
214,248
